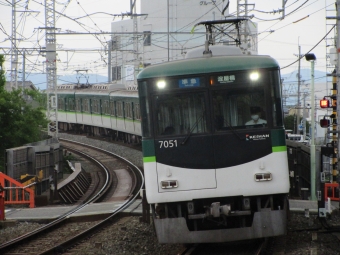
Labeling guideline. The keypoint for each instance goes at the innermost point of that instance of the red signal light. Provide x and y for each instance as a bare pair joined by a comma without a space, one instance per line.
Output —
324,103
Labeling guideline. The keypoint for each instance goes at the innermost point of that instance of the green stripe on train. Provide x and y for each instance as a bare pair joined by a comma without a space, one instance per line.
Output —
279,148
149,159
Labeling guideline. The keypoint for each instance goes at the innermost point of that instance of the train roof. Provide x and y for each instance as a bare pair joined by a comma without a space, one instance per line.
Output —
124,93
97,87
208,65
94,89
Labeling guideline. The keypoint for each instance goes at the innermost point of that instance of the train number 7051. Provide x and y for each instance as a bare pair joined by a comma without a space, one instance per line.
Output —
167,144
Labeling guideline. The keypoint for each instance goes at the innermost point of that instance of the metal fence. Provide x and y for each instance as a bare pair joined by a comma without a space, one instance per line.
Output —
30,159
300,171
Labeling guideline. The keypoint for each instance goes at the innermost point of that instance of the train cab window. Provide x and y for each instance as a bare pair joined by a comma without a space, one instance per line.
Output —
239,109
144,98
178,114
276,99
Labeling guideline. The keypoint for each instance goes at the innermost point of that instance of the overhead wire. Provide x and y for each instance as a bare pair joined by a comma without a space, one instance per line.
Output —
300,57
159,39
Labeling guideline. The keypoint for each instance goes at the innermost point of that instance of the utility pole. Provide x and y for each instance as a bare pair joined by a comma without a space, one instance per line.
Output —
135,42
51,68
298,96
244,31
14,56
337,85
248,41
168,25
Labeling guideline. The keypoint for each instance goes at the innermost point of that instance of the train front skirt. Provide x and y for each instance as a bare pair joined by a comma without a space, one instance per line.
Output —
266,223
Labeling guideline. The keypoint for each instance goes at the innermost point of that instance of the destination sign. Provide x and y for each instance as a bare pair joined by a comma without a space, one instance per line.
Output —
189,82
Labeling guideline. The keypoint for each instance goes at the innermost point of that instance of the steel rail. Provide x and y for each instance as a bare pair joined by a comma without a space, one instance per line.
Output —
62,218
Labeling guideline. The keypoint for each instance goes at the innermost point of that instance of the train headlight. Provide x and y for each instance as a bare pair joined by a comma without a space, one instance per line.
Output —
254,76
161,84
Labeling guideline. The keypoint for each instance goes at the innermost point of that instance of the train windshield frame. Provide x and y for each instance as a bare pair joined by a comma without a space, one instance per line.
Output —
218,102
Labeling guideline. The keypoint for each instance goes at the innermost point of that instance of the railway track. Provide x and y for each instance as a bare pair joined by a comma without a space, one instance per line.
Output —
61,234
118,180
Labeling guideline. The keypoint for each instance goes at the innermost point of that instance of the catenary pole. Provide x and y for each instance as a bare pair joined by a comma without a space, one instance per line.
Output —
337,79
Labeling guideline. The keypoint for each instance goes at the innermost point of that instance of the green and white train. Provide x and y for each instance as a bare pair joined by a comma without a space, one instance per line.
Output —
214,149
100,110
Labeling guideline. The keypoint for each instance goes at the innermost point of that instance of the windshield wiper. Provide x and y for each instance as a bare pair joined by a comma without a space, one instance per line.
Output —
192,129
233,130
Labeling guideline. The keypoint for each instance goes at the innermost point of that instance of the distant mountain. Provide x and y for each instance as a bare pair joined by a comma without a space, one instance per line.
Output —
39,79
319,76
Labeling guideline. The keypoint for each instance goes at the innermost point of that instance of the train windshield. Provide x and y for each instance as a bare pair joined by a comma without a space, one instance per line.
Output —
180,113
245,104
239,109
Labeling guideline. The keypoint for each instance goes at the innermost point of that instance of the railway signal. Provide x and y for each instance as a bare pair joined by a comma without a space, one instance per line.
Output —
52,127
324,123
324,103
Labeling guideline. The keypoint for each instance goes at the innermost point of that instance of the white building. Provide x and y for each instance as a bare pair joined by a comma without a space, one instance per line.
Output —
165,32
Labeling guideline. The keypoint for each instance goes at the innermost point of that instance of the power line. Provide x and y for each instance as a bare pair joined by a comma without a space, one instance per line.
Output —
300,57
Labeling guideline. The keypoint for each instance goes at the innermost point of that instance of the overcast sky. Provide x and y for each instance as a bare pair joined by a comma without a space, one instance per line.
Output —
277,38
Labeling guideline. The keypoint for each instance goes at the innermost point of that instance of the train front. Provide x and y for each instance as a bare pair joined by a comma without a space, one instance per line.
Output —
214,152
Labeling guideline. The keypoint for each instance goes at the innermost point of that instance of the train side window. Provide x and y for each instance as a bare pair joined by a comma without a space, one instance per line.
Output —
86,105
137,111
112,108
120,110
144,97
276,99
128,110
61,104
71,104
78,104
106,108
94,105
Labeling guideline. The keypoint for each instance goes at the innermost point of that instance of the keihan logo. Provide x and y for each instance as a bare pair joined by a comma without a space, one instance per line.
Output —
256,137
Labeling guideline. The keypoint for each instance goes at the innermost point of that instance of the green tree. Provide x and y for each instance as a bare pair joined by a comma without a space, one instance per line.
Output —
20,123
290,123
